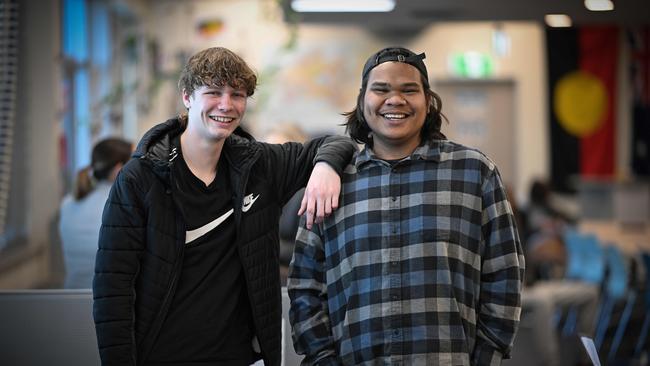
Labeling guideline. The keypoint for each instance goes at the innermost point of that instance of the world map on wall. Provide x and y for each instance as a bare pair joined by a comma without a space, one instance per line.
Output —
318,77
312,86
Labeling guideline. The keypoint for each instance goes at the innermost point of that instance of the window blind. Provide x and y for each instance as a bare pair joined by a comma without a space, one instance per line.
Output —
8,78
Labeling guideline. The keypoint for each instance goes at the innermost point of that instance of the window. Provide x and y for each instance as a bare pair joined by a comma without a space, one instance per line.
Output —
8,79
76,117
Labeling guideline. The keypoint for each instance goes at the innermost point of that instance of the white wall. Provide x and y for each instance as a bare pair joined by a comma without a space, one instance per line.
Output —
317,79
525,64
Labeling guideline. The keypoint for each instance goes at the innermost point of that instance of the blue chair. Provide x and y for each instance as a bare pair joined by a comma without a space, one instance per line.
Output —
585,257
585,263
641,344
616,291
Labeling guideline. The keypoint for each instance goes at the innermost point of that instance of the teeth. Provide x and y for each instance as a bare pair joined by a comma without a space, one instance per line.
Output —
222,119
394,115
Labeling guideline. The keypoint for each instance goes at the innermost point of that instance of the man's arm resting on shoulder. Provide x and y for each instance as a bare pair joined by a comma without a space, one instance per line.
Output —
321,195
116,267
307,289
328,157
323,189
501,277
336,151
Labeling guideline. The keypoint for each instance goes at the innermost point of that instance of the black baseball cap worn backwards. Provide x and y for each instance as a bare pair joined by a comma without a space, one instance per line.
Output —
396,54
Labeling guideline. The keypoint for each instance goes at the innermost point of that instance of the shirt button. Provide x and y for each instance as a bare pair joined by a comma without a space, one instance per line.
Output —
396,332
394,198
394,263
393,297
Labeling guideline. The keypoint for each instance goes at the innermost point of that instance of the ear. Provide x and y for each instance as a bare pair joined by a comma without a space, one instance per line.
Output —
186,99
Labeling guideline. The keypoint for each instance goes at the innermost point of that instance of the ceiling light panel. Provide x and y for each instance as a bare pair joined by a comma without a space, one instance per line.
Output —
557,20
341,6
599,5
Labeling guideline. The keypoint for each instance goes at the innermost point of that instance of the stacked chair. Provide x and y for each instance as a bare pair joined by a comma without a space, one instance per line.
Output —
622,319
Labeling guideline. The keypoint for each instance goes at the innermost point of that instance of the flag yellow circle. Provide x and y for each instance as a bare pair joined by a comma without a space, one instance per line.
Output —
580,103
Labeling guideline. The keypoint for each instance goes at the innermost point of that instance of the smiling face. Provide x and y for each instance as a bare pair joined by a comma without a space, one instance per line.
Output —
395,108
214,112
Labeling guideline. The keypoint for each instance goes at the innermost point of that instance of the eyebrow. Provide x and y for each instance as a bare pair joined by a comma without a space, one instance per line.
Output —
387,85
220,88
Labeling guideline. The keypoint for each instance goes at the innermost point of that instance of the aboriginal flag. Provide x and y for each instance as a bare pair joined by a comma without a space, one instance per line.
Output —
639,41
582,65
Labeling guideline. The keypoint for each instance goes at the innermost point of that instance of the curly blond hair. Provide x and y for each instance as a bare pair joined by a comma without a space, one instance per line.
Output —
217,66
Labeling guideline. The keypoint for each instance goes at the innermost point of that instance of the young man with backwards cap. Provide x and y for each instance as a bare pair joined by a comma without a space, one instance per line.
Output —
187,269
422,263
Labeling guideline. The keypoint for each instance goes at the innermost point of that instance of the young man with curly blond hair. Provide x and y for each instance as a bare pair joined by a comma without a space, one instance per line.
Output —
187,266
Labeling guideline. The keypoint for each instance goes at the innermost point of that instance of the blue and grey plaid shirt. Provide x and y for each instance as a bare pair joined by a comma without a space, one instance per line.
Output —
420,265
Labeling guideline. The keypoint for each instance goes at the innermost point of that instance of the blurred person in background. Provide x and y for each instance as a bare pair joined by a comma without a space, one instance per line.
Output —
279,134
541,213
81,210
422,263
545,249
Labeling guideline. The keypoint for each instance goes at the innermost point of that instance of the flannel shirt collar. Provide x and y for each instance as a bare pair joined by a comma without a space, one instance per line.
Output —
430,150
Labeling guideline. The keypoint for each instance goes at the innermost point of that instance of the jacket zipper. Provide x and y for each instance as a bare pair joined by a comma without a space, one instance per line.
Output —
134,354
180,227
238,216
163,308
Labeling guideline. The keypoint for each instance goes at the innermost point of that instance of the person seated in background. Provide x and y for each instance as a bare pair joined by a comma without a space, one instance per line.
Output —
422,263
279,134
81,210
542,215
545,252
521,218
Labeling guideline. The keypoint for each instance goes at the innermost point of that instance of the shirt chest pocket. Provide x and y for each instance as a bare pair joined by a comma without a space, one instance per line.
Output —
454,225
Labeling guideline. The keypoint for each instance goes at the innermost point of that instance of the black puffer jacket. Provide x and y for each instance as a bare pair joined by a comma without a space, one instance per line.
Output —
142,237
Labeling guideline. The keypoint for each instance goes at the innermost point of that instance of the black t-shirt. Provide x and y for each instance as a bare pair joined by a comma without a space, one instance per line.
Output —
209,321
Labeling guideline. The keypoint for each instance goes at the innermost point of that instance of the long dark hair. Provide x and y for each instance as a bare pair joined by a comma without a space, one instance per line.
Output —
105,156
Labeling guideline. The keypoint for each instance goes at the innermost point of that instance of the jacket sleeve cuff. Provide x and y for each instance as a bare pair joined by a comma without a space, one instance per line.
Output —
336,151
484,355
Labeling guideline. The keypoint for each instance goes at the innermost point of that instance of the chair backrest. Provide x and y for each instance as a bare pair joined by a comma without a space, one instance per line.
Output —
47,327
585,257
618,276
646,264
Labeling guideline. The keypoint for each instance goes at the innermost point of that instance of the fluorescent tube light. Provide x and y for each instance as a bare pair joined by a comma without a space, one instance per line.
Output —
370,6
599,5
557,20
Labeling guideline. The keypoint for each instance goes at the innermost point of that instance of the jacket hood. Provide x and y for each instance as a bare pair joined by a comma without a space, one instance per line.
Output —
155,144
